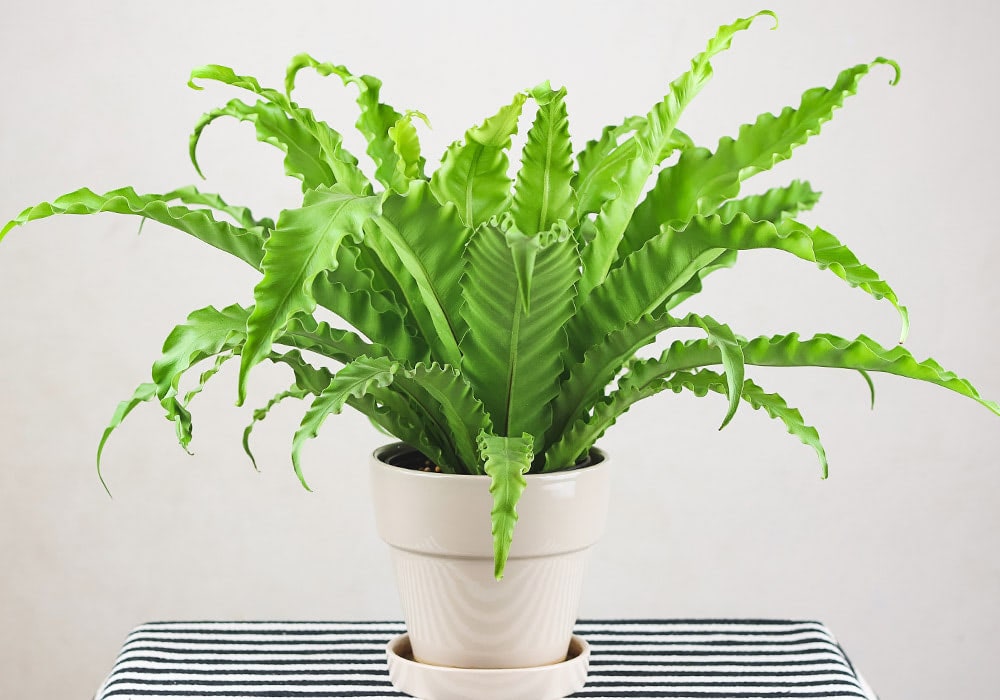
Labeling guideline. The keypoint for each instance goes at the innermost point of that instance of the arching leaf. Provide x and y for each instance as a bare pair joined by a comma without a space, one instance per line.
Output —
304,333
143,393
581,435
354,380
773,404
542,192
722,337
473,173
205,376
245,244
206,333
370,312
776,204
603,182
652,138
639,384
649,277
702,180
304,157
506,460
420,242
586,378
374,121
342,164
259,414
822,350
241,215
462,413
302,246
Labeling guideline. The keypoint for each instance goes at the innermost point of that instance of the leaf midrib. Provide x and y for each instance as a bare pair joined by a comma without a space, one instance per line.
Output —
512,363
469,181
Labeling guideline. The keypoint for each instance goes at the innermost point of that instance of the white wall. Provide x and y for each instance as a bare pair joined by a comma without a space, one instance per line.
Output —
897,551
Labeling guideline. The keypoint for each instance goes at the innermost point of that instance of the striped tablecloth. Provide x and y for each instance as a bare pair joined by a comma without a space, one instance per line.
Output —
737,659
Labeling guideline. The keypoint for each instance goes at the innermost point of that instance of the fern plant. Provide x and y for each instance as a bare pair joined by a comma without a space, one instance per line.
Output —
497,319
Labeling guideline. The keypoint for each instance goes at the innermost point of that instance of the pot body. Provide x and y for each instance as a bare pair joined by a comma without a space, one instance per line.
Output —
439,532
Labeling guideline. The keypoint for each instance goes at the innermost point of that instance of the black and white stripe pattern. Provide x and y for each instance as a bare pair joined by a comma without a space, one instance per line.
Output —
681,659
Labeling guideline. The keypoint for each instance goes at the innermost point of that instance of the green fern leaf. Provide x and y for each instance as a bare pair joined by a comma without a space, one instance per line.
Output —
143,393
668,261
773,404
369,311
206,333
775,205
304,333
473,173
586,378
259,414
308,380
510,356
506,460
374,121
652,138
354,380
721,336
870,384
406,145
542,192
823,350
304,157
245,244
205,376
442,391
241,215
581,435
420,242
342,164
601,164
702,180
302,246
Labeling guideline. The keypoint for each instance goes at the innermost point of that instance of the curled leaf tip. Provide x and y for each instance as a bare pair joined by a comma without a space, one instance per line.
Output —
410,113
100,476
297,466
895,67
904,331
246,447
241,383
768,13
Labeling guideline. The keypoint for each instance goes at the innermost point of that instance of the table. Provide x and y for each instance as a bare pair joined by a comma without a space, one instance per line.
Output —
719,659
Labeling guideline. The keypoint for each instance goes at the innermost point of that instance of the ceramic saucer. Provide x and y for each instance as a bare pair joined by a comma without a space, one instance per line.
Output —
446,683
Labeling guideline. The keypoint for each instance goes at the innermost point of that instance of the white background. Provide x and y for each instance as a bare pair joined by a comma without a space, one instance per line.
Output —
897,551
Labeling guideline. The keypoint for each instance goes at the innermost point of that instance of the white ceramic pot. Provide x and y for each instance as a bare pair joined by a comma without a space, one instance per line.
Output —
438,529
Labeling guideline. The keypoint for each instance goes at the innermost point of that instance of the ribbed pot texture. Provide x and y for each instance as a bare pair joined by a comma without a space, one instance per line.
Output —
438,530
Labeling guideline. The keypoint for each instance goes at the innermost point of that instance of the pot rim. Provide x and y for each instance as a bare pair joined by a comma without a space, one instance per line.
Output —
383,454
